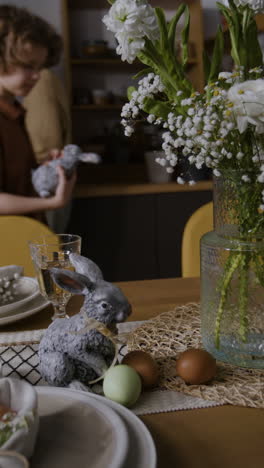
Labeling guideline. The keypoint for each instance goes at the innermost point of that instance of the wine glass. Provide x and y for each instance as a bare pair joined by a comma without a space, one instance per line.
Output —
54,251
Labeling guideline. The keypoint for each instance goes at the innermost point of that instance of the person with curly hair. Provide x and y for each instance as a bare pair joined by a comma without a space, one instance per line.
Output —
27,45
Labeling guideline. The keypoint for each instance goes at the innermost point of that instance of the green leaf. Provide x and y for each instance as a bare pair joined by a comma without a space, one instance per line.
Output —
164,62
173,24
217,57
245,48
148,60
130,91
185,38
111,2
232,5
158,108
171,80
143,72
233,20
254,52
164,42
206,65
246,19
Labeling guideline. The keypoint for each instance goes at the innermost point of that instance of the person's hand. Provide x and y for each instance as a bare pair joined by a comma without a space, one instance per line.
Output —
64,188
54,153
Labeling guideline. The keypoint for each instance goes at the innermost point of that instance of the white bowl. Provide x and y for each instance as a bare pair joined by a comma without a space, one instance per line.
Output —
27,289
21,397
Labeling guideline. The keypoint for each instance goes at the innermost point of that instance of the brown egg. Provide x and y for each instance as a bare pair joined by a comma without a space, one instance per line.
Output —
196,366
144,365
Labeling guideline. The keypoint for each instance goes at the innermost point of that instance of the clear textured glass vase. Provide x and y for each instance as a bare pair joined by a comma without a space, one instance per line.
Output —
232,276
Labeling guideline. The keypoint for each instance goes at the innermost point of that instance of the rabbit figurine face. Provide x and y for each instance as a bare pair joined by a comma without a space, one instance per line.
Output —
66,355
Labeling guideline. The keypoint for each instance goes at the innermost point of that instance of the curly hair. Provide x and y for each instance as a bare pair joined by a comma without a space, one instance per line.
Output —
18,27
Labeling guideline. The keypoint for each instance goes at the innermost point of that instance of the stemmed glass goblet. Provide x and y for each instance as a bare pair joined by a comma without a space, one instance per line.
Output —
54,251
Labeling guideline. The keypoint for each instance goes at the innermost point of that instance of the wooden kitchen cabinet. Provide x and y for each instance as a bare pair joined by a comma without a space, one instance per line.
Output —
136,236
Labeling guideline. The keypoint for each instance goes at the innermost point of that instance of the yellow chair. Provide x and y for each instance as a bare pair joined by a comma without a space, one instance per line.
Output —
200,222
15,232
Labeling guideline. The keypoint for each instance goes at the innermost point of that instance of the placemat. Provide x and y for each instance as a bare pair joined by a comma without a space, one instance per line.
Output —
19,355
19,358
169,334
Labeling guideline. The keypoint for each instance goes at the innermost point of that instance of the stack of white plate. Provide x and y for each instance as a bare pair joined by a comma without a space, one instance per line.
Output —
79,429
28,301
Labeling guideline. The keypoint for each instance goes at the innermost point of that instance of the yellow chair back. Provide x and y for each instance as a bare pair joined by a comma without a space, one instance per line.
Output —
15,232
200,222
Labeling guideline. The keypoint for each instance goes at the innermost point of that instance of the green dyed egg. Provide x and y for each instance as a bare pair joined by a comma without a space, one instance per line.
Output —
122,384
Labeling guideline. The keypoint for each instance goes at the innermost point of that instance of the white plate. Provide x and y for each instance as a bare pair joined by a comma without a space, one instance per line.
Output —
25,310
27,289
78,431
141,450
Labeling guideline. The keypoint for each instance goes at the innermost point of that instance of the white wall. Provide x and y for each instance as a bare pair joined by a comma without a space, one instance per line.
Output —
211,18
51,11
48,9
209,3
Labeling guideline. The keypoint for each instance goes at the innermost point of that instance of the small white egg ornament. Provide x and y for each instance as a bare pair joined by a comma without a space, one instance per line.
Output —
122,384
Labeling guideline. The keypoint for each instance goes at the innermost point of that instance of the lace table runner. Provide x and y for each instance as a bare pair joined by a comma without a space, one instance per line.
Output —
165,336
171,333
19,358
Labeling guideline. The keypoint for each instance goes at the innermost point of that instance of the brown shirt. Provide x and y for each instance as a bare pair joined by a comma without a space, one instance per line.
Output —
17,157
16,153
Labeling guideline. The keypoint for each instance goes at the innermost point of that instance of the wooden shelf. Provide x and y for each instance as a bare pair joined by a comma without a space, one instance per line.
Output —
114,61
92,4
103,4
104,61
96,107
109,190
125,179
260,22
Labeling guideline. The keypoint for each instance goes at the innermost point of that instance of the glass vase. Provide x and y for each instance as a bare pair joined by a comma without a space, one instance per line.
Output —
232,276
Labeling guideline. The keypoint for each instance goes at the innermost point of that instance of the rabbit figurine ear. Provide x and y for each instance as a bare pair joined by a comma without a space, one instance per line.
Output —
71,281
86,267
93,158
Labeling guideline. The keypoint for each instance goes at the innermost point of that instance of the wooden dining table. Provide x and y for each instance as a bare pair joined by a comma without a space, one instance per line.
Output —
216,437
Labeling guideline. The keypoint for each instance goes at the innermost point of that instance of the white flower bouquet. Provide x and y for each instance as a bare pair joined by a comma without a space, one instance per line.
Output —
209,128
221,128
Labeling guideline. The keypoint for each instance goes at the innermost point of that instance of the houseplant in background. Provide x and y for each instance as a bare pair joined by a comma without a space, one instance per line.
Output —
222,129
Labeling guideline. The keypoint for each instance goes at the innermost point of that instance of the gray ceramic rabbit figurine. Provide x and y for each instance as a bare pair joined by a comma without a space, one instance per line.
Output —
45,177
67,356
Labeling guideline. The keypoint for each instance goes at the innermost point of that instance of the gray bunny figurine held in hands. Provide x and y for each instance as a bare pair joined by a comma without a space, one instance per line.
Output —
45,177
68,353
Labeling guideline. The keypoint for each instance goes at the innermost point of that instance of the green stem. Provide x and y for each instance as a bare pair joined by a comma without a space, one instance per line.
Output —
259,268
243,296
231,266
176,79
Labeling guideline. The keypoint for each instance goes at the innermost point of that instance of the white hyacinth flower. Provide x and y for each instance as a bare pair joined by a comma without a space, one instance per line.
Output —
256,5
131,21
128,48
247,99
